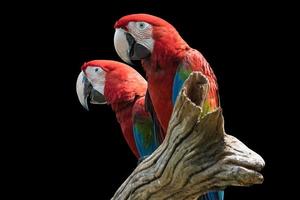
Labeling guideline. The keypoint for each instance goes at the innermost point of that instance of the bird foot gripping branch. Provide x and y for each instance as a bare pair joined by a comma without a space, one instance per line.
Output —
196,156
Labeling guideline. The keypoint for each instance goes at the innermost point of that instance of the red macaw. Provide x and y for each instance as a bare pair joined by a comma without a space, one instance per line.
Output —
124,89
167,60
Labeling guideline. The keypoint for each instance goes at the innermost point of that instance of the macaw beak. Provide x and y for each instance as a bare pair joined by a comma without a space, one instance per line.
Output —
86,91
127,47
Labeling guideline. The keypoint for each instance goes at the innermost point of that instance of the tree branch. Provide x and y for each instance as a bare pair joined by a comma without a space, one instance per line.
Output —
196,156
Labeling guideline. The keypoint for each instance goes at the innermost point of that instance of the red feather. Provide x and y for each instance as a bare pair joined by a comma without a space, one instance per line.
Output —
169,51
123,86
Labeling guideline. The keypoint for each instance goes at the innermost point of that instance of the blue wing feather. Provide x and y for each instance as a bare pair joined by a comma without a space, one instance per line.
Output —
177,85
145,139
182,73
215,195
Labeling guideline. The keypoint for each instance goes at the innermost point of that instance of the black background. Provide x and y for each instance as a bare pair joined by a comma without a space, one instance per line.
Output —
69,152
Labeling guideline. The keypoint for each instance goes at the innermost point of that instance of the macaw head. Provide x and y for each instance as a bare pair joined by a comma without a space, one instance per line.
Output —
137,36
108,82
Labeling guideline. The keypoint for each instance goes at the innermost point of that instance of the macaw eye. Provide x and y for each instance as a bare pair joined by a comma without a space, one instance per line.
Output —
141,25
96,69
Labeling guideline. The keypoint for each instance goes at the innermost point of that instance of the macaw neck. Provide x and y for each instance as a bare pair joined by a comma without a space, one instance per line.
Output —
121,105
123,111
160,70
168,51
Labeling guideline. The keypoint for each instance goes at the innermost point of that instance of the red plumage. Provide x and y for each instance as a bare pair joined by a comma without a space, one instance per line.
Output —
169,51
123,87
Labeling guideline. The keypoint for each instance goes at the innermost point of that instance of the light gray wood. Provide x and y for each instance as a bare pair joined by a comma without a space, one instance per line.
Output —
196,156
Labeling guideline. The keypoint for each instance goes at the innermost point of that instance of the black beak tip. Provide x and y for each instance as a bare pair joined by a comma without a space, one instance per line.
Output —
136,51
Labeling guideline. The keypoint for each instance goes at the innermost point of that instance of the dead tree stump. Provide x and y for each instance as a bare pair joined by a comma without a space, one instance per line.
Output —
196,156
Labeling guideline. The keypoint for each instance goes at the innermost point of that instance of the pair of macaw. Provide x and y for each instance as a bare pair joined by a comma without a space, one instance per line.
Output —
142,110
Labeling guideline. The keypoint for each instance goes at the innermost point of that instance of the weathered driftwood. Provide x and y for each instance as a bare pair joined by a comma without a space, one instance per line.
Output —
196,155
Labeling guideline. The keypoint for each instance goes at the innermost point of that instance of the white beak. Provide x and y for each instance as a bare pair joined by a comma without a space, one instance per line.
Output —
83,88
121,45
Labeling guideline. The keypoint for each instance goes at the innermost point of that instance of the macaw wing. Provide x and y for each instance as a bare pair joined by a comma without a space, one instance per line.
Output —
156,125
182,73
215,195
194,61
145,137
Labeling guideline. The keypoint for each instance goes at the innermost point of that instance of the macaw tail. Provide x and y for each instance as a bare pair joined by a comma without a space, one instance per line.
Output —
216,195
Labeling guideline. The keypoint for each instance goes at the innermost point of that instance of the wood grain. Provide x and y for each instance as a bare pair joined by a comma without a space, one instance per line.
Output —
196,156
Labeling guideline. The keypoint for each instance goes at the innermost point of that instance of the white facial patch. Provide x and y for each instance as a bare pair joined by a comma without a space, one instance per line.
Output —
142,33
96,77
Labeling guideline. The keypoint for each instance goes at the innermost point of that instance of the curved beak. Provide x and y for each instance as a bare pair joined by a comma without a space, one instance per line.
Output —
85,91
127,47
121,45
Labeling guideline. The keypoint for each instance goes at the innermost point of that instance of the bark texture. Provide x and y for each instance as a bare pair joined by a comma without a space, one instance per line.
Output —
196,156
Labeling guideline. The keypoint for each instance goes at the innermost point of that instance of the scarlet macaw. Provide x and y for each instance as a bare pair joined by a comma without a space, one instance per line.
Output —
117,84
167,60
